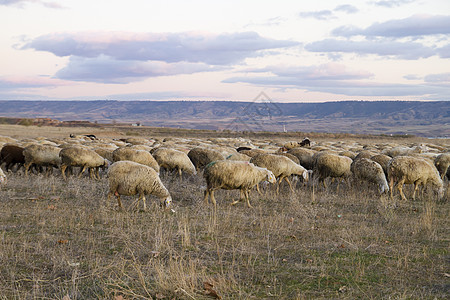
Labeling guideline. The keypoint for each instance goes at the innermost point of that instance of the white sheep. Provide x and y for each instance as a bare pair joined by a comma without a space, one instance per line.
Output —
130,178
413,170
41,155
139,156
442,163
172,159
231,175
327,164
370,171
84,158
281,166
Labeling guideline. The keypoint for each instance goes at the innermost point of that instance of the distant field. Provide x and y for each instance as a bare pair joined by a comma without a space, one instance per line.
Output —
61,238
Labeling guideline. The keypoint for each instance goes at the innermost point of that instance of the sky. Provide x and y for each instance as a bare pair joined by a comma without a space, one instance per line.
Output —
292,51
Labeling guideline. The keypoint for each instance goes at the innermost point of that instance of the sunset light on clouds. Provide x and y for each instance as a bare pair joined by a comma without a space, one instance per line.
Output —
294,51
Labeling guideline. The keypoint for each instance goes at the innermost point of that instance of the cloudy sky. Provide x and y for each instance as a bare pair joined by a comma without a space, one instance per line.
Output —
293,51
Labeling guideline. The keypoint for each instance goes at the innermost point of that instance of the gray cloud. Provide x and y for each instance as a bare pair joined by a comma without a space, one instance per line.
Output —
336,79
347,8
18,83
443,78
219,49
392,3
328,14
21,3
417,25
319,15
104,69
444,52
400,50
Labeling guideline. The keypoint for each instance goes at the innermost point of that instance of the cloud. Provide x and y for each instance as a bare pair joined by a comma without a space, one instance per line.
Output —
347,8
443,78
319,15
328,14
20,82
215,49
391,3
104,69
21,3
400,50
416,25
444,52
337,79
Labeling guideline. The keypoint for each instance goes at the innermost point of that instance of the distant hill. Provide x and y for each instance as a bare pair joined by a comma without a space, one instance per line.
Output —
377,117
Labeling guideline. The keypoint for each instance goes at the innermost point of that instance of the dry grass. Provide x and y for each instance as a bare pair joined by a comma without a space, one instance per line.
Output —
62,238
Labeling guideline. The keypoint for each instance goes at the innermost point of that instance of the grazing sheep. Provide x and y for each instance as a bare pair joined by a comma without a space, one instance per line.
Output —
402,151
200,156
239,149
305,143
289,155
129,178
291,145
84,158
252,152
238,156
370,171
3,179
442,163
172,159
231,175
331,165
413,170
305,156
41,156
11,155
139,156
364,154
281,167
383,160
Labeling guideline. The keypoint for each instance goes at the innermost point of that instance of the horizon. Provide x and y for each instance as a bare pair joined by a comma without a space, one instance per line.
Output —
294,52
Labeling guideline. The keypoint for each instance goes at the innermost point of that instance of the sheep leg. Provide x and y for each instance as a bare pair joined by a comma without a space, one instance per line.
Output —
258,190
143,200
63,171
391,187
248,199
241,197
97,172
416,187
81,172
206,196
287,180
27,166
400,189
213,200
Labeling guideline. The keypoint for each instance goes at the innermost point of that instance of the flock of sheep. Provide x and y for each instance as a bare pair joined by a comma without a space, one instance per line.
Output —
133,165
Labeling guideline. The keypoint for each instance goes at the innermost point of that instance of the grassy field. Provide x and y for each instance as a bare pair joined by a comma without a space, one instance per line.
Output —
64,240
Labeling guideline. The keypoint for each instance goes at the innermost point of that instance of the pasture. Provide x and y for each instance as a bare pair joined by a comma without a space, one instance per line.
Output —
64,240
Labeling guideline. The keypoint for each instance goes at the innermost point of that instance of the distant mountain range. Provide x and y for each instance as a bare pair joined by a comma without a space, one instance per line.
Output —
375,117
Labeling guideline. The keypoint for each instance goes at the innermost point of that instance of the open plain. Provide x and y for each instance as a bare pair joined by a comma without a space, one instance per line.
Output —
64,240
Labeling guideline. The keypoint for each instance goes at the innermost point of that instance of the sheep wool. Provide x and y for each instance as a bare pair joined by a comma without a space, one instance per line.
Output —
413,170
200,156
81,157
130,178
139,156
328,164
41,155
172,159
281,166
442,163
231,175
371,171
